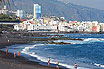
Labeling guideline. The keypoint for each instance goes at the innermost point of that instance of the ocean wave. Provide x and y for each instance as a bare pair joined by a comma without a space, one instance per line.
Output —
71,41
94,39
99,65
26,49
44,59
85,41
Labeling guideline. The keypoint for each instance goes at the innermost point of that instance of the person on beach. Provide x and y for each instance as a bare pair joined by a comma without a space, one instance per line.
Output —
48,61
18,53
8,41
75,66
14,55
6,52
57,63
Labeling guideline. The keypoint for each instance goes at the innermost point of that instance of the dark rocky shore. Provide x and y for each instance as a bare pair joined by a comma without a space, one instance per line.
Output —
8,62
11,38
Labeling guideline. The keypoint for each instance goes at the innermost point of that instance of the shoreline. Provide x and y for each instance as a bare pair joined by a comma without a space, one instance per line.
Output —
20,60
26,38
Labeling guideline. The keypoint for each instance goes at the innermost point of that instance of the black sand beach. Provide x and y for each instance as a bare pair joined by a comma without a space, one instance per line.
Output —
20,62
9,62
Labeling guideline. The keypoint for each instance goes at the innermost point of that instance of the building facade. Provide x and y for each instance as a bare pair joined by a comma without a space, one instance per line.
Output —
37,11
20,13
4,10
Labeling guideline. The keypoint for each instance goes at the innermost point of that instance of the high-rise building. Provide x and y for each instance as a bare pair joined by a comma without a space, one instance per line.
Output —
4,10
37,11
20,13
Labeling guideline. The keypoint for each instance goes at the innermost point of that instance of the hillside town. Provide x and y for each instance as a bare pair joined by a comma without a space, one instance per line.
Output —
57,24
43,23
53,24
36,41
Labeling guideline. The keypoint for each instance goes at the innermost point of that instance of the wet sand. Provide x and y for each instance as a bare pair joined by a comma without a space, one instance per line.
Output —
9,62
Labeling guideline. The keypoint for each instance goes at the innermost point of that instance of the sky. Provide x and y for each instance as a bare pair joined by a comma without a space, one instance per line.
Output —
98,4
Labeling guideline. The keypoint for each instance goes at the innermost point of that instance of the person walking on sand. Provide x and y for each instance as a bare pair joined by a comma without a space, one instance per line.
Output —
57,63
6,52
18,53
14,55
8,41
48,61
75,66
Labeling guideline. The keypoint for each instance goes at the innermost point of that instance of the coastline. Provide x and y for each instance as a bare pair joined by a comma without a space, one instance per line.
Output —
25,38
19,62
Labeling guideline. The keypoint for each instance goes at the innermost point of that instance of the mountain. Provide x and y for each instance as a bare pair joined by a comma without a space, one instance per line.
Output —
58,8
98,4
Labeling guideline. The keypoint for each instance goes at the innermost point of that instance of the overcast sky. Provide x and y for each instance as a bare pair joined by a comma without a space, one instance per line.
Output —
99,4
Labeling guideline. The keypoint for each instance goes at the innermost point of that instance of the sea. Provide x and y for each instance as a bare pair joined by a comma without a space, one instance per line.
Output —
87,54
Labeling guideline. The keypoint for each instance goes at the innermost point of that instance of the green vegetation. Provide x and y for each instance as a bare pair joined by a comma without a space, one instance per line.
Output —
4,27
7,18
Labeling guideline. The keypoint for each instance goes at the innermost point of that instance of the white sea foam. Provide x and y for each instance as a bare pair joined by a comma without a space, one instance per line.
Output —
102,66
99,65
44,59
26,49
94,39
85,41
